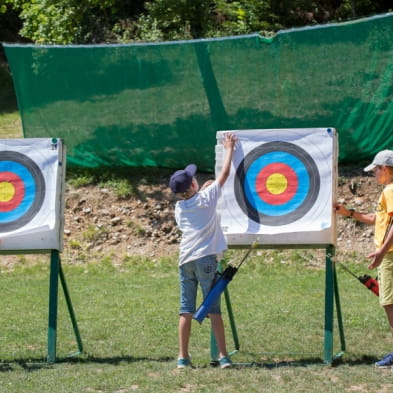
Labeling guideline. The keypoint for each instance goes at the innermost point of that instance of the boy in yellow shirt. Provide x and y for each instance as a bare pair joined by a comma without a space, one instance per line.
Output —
382,257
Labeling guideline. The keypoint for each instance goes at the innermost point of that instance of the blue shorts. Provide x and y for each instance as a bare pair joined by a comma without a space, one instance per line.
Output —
202,271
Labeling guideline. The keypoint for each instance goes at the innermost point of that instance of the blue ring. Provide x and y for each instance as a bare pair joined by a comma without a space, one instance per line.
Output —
306,195
35,189
271,158
30,188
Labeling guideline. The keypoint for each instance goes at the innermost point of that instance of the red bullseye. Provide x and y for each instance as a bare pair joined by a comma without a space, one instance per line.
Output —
12,191
276,183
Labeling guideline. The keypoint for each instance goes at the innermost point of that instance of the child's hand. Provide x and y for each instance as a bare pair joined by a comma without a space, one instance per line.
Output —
341,209
375,258
230,140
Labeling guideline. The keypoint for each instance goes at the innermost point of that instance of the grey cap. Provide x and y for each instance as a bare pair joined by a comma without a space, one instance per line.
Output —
384,157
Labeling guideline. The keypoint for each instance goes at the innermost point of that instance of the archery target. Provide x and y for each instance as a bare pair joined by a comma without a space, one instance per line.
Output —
277,183
31,185
22,190
281,187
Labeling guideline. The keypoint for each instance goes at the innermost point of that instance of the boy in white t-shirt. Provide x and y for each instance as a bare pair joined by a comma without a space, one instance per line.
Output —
202,239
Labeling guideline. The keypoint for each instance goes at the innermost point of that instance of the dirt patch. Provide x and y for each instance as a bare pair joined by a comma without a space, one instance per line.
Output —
357,190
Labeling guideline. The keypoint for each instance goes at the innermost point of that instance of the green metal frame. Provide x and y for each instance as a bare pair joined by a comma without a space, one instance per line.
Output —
56,272
332,300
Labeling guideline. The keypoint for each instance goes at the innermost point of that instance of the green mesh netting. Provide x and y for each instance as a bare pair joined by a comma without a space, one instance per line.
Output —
161,104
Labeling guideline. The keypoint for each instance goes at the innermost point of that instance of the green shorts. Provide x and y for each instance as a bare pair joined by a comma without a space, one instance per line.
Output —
385,278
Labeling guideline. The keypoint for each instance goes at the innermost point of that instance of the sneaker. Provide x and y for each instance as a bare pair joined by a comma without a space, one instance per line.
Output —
386,362
183,363
225,362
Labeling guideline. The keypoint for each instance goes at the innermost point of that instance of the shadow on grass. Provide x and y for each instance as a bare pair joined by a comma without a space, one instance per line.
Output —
279,364
306,362
39,364
364,360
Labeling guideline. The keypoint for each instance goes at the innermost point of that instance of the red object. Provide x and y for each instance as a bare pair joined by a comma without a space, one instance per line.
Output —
366,280
370,283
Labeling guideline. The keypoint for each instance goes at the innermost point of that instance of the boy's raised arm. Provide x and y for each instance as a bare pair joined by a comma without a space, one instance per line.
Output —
229,142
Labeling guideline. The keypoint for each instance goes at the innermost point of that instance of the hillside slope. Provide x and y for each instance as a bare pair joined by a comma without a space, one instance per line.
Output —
100,225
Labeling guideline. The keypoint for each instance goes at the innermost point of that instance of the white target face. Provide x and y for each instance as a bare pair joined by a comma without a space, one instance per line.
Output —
281,187
31,179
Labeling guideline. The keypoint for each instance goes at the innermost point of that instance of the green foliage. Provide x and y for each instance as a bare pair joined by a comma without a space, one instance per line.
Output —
148,29
92,21
81,180
3,6
241,17
75,244
137,228
122,188
173,19
48,22
180,18
92,233
65,21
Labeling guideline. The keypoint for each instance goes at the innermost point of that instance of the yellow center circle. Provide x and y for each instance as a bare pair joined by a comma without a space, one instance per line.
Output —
276,183
7,191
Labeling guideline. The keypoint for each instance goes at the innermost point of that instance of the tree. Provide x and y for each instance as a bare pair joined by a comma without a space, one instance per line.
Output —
69,21
97,21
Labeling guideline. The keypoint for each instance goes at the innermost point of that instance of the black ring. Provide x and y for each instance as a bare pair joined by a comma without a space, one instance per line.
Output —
306,205
39,196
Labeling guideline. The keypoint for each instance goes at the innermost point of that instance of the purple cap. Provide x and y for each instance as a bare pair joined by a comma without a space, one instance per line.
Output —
181,180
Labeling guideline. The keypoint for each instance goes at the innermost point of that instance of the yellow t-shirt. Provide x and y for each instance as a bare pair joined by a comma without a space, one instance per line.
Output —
383,209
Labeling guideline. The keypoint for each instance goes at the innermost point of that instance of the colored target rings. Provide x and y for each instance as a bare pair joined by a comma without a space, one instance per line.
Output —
276,183
22,190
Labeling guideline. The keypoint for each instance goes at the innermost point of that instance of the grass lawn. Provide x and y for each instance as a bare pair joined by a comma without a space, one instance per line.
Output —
10,122
10,125
127,318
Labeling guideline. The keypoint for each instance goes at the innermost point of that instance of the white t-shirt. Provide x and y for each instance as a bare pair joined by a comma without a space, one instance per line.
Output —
199,223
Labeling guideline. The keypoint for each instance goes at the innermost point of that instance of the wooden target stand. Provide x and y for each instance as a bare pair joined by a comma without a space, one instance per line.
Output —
332,303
